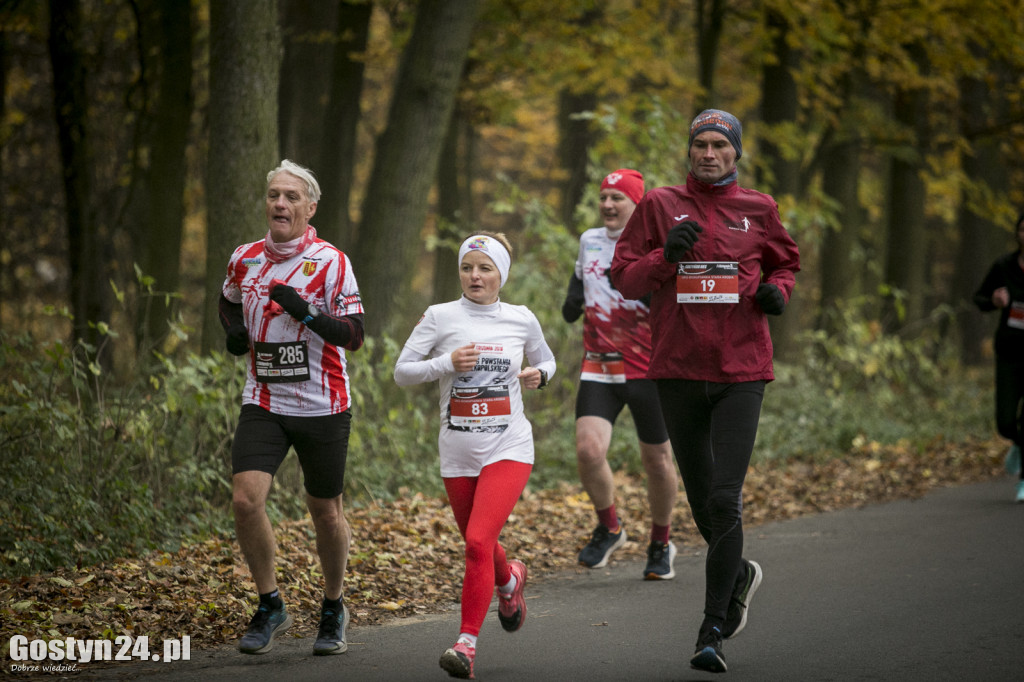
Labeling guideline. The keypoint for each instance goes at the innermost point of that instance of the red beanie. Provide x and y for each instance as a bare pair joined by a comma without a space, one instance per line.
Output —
627,181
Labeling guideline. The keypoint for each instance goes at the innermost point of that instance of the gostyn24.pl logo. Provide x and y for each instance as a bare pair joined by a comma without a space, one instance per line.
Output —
28,654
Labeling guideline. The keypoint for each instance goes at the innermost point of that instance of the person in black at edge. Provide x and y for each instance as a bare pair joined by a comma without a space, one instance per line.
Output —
1003,290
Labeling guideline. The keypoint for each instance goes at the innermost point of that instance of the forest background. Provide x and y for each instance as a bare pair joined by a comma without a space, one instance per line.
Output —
136,136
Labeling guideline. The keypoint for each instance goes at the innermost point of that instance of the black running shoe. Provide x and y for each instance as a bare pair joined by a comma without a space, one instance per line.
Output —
660,556
709,655
736,616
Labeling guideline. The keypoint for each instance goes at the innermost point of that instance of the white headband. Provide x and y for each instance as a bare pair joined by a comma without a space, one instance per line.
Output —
494,249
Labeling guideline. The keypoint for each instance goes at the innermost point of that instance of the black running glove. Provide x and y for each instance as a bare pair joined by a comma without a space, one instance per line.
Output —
608,274
289,299
572,308
681,239
237,340
770,299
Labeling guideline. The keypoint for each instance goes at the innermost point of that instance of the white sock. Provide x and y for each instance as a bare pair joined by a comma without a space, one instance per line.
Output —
508,587
466,638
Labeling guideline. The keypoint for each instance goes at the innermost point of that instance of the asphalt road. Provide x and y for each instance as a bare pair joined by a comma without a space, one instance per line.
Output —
931,589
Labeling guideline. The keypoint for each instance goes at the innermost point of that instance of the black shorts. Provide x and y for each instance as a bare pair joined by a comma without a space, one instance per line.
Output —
262,439
597,399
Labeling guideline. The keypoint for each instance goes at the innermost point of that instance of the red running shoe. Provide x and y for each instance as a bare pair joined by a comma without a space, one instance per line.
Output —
458,661
512,607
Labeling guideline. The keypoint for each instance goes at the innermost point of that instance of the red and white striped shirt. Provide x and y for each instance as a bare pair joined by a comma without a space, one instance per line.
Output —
292,370
612,323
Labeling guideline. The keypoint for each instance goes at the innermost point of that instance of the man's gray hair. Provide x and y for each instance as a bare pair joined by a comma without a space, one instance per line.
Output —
302,173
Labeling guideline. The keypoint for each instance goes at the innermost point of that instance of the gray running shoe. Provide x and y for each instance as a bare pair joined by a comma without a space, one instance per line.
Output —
330,639
602,544
266,624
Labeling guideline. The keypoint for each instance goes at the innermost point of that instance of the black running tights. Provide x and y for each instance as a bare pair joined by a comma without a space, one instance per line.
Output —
1009,401
712,428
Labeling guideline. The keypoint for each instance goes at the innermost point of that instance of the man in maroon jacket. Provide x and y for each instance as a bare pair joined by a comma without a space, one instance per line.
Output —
715,259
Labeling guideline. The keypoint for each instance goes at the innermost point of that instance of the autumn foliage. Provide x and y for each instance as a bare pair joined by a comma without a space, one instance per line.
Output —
406,554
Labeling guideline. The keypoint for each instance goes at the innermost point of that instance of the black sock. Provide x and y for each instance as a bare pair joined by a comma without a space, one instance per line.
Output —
711,622
332,604
272,600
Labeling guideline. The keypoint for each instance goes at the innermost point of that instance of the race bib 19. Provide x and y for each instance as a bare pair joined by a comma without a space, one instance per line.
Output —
711,282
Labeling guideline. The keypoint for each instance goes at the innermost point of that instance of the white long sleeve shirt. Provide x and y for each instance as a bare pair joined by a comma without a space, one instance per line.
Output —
481,411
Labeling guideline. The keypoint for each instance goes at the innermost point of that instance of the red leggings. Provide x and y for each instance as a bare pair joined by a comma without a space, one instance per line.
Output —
481,507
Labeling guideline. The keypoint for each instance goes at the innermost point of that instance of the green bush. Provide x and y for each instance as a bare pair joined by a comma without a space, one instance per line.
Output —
859,384
94,469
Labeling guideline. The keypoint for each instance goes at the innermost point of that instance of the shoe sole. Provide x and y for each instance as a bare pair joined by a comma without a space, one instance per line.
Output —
277,632
340,647
651,575
604,560
708,659
758,576
455,665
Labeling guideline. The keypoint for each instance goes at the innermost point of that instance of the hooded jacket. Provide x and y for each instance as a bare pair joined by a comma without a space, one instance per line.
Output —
721,342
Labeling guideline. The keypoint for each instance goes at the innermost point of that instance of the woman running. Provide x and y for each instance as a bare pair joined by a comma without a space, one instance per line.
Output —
474,348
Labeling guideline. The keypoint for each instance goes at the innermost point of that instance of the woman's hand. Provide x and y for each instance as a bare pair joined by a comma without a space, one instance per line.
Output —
1001,297
464,358
530,377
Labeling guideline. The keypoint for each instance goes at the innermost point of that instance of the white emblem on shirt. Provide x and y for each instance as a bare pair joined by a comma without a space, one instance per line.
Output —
744,228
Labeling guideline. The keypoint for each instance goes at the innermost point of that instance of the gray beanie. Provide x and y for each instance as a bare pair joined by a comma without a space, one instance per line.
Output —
721,122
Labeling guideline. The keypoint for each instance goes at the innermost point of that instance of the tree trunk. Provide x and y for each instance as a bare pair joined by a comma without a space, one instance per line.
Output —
981,240
454,206
309,42
907,238
840,274
337,159
710,24
407,154
161,219
244,66
90,294
7,283
576,131
576,136
779,105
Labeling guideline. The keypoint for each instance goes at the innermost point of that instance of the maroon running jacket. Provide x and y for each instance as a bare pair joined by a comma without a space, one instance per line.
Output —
722,342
